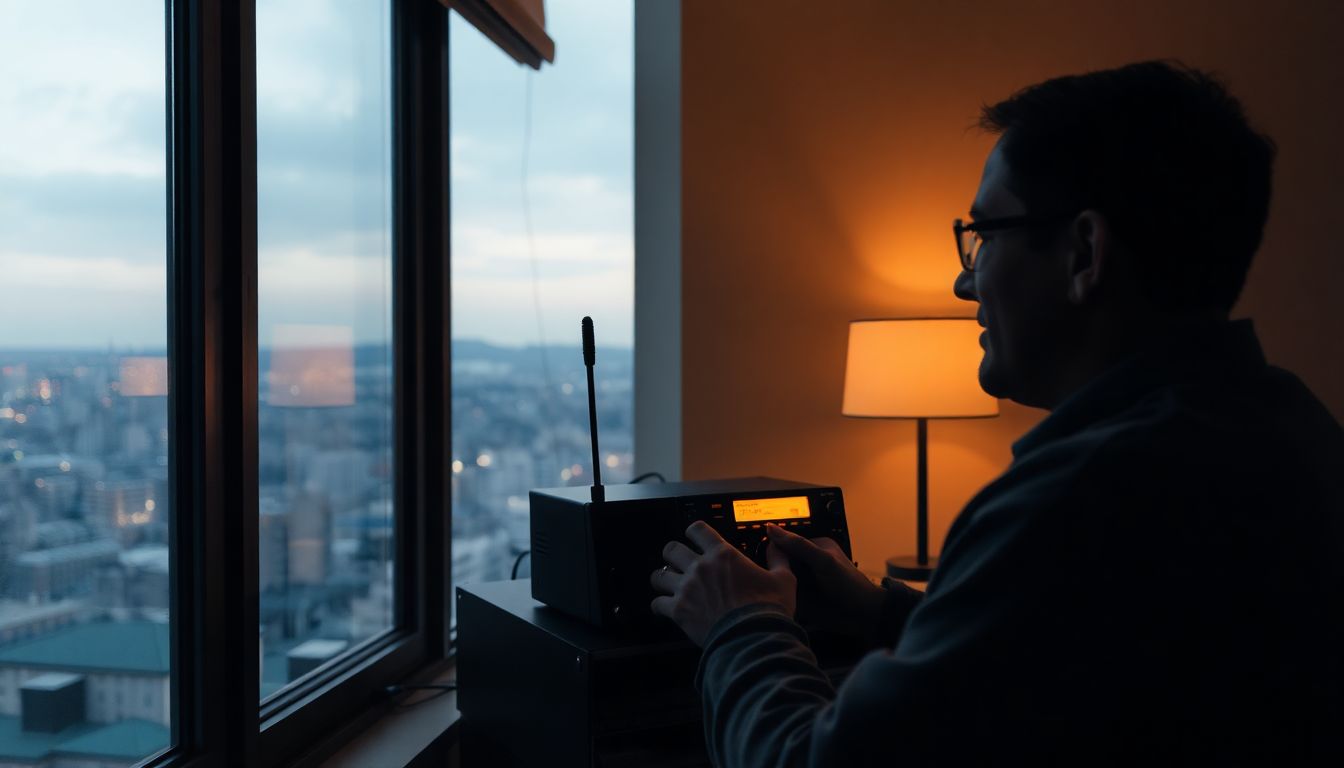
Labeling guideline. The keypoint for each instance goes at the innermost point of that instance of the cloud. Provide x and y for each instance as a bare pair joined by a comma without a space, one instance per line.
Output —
79,73
485,252
323,58
54,300
85,214
502,310
83,188
46,272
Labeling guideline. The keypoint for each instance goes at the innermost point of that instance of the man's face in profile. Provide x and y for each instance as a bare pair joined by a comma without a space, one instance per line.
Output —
1022,291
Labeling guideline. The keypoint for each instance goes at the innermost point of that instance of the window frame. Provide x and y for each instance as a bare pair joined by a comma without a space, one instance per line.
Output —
212,340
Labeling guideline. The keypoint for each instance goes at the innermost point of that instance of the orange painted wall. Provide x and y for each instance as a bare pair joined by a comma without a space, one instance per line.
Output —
826,148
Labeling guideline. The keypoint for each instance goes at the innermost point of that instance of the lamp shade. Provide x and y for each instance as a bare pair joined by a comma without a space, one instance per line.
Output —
924,368
312,366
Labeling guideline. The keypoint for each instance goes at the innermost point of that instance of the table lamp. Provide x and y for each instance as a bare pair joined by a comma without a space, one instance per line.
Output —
921,368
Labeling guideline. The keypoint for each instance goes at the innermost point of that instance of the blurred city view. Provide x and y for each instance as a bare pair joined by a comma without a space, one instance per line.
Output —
85,510
520,421
84,516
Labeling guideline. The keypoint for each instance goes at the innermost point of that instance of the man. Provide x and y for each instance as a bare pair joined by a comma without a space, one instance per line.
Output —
1156,577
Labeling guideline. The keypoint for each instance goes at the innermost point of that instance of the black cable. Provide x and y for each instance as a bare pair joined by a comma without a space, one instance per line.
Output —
517,562
439,689
648,475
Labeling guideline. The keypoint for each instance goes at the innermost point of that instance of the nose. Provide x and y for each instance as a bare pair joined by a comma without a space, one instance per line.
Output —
964,286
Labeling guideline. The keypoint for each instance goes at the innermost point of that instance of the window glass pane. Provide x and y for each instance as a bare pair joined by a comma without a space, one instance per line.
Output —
84,499
324,331
542,234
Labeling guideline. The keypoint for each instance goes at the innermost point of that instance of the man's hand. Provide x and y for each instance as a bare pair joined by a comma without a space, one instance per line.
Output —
696,589
833,594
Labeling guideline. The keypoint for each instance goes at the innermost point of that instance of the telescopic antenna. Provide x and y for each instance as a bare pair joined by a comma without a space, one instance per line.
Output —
589,358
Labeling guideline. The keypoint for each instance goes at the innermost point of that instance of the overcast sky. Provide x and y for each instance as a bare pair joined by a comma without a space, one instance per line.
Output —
82,196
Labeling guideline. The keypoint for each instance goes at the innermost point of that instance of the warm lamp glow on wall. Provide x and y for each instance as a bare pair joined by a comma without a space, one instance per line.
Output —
916,369
312,366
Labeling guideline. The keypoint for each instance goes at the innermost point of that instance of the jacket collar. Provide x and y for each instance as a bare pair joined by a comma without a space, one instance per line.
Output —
1220,352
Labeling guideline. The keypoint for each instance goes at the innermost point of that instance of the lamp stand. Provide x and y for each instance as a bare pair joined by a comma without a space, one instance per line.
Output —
919,567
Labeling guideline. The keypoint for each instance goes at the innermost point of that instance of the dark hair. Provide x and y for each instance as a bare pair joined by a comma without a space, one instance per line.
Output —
1165,153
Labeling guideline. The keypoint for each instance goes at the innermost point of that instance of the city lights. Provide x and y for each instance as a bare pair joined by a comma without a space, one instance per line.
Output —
457,466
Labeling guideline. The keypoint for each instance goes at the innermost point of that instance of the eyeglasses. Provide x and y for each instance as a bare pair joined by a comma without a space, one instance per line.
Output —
969,240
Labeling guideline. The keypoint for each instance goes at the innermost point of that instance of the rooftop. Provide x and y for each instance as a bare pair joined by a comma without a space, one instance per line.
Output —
51,681
128,740
133,646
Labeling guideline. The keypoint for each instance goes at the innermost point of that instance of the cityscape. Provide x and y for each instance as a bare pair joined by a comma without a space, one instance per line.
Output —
85,510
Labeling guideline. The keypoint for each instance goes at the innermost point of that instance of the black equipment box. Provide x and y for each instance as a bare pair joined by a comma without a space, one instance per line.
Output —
593,559
536,687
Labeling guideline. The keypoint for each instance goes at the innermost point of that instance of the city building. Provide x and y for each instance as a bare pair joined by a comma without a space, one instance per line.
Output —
95,693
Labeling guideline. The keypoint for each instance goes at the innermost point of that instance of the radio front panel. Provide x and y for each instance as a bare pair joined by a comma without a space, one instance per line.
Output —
593,560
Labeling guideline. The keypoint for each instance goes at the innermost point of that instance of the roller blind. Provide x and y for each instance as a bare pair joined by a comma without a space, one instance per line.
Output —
516,26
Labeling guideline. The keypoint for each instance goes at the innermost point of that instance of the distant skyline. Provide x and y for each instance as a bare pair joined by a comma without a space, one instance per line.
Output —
82,190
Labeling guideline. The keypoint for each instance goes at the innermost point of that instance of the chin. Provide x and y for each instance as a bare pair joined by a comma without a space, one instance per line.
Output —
991,379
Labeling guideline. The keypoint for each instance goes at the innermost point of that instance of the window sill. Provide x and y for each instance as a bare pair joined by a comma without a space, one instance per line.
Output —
421,730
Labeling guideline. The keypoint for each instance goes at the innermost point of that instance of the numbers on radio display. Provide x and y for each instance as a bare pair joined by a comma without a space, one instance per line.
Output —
758,511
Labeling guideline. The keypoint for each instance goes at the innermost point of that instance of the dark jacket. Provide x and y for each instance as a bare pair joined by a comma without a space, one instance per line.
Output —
1155,578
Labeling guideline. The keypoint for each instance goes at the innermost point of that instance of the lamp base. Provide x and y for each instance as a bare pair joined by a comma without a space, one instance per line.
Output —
908,568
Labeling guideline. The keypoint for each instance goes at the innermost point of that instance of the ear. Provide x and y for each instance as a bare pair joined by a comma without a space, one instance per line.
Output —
1089,249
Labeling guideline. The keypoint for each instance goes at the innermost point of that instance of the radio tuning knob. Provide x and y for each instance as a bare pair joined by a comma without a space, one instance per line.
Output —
832,507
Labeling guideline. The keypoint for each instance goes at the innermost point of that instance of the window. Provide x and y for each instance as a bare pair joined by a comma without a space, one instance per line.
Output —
225,466
85,498
542,235
308,159
324,333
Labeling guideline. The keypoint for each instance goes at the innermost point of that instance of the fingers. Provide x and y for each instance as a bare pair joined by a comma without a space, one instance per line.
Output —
829,545
775,559
704,537
666,580
679,556
794,545
662,606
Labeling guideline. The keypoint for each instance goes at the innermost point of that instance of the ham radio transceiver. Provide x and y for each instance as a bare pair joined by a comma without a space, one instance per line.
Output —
593,548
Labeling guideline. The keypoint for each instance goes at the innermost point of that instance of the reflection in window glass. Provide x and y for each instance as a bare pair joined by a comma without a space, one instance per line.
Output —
542,234
324,332
84,502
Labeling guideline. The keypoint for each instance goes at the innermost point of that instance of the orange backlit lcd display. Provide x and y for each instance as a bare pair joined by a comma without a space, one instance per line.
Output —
756,510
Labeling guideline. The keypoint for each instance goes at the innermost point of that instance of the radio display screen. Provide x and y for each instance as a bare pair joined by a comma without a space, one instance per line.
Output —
758,510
